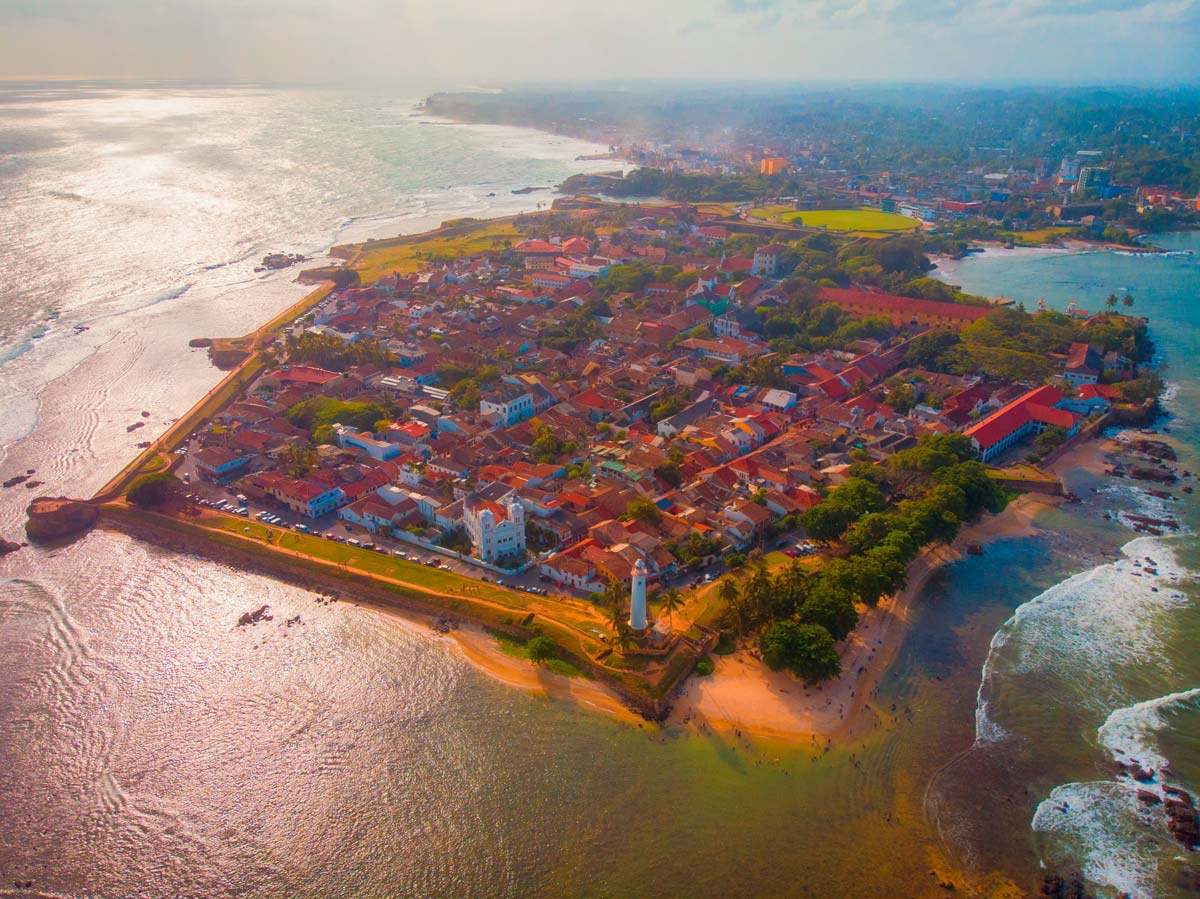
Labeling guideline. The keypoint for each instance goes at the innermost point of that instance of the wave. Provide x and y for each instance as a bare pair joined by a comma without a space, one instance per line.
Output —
1085,627
1099,826
1103,824
1128,733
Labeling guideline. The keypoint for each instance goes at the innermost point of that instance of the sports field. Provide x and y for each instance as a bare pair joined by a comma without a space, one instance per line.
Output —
866,222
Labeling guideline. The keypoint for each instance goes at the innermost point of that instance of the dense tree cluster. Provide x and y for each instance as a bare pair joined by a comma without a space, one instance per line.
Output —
334,354
883,515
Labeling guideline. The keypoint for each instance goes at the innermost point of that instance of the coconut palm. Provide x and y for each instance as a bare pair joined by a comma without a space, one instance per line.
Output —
671,601
1127,300
615,616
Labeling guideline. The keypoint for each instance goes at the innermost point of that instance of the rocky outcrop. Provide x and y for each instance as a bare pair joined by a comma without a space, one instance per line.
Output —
57,517
8,546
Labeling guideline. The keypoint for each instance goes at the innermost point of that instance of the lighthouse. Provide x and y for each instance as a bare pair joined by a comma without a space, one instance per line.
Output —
637,597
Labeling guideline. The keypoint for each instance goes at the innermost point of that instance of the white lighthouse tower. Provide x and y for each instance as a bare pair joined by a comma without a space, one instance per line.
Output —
637,597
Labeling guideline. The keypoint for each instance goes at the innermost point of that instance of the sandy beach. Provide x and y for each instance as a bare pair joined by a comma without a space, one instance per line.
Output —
481,650
743,694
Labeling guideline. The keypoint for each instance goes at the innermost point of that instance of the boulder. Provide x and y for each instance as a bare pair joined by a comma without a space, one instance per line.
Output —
57,517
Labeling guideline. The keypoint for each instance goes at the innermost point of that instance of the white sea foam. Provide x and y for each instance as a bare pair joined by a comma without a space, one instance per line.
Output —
1129,733
1085,627
1098,825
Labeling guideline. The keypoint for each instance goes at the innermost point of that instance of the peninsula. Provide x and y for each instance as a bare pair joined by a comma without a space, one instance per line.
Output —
623,438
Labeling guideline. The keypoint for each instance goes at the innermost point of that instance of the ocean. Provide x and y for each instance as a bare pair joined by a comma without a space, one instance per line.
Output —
149,746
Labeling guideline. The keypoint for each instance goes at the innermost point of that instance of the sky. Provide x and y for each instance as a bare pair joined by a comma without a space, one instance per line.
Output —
447,44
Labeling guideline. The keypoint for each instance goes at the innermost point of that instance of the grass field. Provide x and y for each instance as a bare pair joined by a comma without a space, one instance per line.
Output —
406,254
1037,238
864,222
520,650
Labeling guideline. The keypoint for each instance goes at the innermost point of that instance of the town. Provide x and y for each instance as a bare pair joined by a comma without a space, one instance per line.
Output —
612,406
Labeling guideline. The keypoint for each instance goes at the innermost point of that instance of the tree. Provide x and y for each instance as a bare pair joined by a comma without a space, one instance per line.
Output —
344,277
615,616
1127,300
151,489
1111,301
807,649
670,601
643,510
831,608
540,648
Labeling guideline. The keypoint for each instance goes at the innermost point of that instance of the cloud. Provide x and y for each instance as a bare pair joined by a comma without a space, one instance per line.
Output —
456,42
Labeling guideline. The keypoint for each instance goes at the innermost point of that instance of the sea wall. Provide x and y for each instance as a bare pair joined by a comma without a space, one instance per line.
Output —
361,588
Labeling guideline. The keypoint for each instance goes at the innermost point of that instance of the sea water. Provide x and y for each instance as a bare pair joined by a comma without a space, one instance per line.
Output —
1101,667
150,746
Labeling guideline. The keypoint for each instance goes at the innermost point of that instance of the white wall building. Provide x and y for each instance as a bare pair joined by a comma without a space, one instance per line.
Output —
496,529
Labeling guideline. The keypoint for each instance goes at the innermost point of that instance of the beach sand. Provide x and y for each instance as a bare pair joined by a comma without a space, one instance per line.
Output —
482,652
744,695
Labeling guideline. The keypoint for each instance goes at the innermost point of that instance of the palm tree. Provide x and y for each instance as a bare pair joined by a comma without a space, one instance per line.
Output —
615,616
1111,302
671,601
728,591
1127,300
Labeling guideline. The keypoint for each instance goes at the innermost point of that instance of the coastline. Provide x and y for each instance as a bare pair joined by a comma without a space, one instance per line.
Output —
480,650
744,695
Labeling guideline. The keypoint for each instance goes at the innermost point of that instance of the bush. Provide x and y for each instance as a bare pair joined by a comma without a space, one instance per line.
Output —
539,649
735,561
705,667
151,489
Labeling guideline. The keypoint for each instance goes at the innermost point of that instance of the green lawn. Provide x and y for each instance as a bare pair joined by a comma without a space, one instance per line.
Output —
407,254
861,220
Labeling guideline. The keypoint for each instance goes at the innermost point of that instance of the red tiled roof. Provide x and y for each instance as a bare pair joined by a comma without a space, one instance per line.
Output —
1036,405
886,303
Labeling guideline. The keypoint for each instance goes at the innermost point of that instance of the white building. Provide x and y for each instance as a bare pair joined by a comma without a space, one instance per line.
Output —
510,404
496,529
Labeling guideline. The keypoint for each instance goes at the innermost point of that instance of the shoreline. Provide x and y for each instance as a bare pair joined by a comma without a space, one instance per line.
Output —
481,651
744,696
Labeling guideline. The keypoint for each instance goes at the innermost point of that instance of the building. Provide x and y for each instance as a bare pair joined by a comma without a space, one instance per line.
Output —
773,165
767,260
496,529
217,462
1030,413
304,497
509,403
1084,364
1092,176
904,310
376,449
637,597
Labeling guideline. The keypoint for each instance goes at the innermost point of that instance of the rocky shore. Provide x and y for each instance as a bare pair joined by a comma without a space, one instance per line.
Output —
58,517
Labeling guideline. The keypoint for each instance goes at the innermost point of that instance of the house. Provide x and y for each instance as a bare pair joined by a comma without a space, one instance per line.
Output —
307,498
1084,364
217,462
1030,413
509,403
380,450
768,260
1090,399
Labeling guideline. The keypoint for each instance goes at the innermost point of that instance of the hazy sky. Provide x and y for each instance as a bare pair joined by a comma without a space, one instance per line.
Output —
449,43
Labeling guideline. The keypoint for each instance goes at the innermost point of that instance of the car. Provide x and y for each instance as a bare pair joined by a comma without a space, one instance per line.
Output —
444,566
328,535
399,554
302,528
353,542
243,511
708,578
